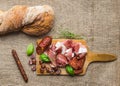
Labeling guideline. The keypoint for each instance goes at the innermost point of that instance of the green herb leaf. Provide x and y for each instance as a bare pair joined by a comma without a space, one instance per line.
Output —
44,58
30,49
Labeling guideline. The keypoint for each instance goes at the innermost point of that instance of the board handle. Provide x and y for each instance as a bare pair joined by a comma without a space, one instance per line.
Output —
102,57
97,57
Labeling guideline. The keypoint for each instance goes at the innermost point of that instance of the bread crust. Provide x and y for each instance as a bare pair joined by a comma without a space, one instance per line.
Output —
36,20
12,19
40,26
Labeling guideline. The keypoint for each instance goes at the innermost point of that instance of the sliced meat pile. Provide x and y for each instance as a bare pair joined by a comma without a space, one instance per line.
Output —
67,52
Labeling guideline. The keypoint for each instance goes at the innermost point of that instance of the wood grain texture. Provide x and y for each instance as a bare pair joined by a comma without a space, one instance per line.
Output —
97,20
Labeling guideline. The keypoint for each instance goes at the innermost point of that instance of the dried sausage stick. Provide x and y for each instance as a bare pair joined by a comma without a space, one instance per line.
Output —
20,67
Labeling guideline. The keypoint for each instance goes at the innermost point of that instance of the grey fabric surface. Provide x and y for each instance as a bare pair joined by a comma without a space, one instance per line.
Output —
97,20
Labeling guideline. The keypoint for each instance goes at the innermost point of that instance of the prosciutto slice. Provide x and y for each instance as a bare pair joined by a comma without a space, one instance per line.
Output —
68,43
82,49
60,47
69,53
76,47
61,60
52,47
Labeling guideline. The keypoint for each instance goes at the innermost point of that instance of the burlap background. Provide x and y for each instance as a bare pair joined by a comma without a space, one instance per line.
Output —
98,20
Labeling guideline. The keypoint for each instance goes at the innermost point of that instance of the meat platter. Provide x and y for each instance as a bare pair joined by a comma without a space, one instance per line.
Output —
77,55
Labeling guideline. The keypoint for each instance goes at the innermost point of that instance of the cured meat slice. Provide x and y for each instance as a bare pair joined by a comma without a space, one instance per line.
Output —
77,64
76,47
82,55
60,47
73,63
59,50
68,43
52,56
69,53
82,49
52,47
78,71
43,44
61,60
80,63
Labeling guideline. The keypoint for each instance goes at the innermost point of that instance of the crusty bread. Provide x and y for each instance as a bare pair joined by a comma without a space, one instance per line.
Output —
36,20
12,19
41,25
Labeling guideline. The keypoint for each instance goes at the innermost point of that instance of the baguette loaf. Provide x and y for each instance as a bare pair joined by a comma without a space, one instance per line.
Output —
35,20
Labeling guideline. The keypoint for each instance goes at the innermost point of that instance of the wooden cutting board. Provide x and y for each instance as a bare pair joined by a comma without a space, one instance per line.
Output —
91,57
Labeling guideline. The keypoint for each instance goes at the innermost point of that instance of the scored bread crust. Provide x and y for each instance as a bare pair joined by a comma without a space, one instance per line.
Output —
40,26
